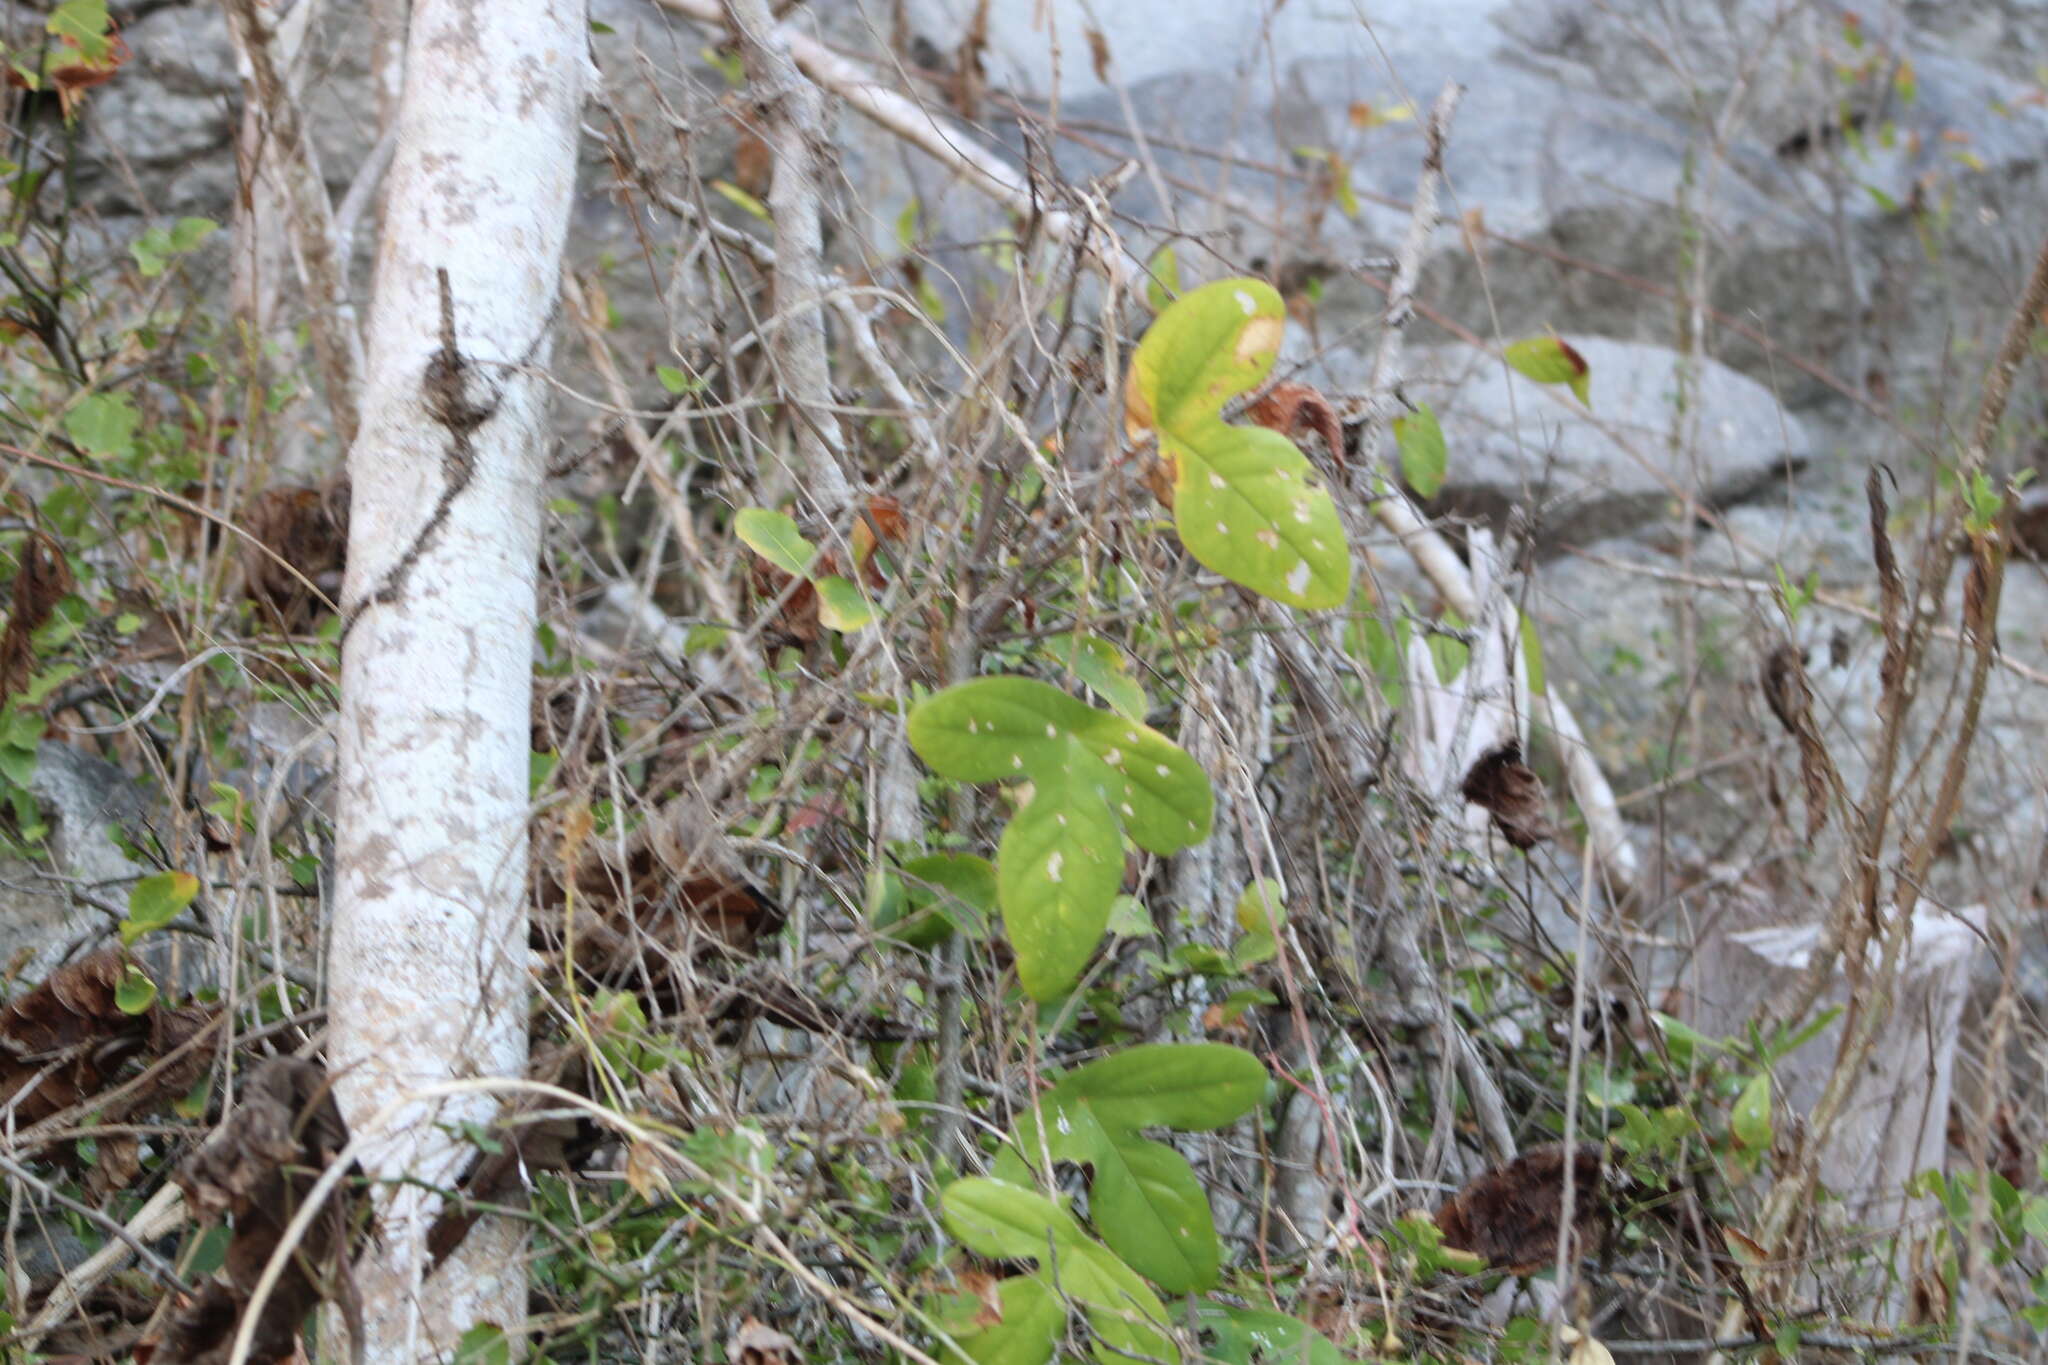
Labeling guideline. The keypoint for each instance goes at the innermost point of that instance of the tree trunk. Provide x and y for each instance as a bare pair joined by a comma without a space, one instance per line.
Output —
428,957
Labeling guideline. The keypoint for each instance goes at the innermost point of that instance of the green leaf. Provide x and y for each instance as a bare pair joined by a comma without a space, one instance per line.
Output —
1210,346
1259,1336
188,233
1548,360
1105,670
941,893
677,382
135,992
1262,908
1093,773
1010,1223
85,24
1058,868
1148,1204
774,537
1128,918
1153,1212
1032,1320
1162,278
1246,502
1006,1222
1423,458
156,901
841,604
1194,1087
1750,1120
1249,505
103,424
484,1344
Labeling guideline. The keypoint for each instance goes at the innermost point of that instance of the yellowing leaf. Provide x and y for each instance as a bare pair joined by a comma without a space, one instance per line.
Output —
1549,360
775,538
156,901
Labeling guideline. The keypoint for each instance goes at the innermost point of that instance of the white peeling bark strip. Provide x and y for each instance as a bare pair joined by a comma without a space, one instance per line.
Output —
428,951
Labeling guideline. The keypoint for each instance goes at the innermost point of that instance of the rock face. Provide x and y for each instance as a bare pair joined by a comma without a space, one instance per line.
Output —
1582,473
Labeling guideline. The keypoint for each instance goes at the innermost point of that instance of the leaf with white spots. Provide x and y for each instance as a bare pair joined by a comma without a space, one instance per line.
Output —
1246,502
1095,776
1251,507
1060,866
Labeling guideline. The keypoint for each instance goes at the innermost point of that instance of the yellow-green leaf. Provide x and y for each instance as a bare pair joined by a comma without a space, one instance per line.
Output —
156,901
841,604
1246,502
774,537
1549,360
135,992
1423,458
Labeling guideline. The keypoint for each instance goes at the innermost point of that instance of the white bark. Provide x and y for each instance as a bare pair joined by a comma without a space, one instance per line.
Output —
428,953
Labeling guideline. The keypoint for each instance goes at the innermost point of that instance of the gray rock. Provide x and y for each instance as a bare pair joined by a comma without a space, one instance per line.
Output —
1582,474
83,800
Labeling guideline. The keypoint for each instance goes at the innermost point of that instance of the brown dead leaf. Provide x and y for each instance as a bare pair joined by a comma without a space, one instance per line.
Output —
64,1040
753,164
1504,785
644,1175
755,1343
1291,408
1510,1214
257,1169
1098,53
42,579
1979,606
1785,689
307,528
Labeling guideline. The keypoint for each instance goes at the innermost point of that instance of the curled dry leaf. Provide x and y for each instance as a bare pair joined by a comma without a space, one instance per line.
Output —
257,1169
881,523
66,1039
1510,1214
42,579
1785,689
1980,608
1290,409
307,528
1507,787
756,1343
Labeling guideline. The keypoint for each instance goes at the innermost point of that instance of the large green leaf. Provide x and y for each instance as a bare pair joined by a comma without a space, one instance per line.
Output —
1007,1222
1148,1204
1058,870
1190,1086
1260,1336
1153,1212
1208,347
1093,774
1249,505
1026,1328
1246,502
